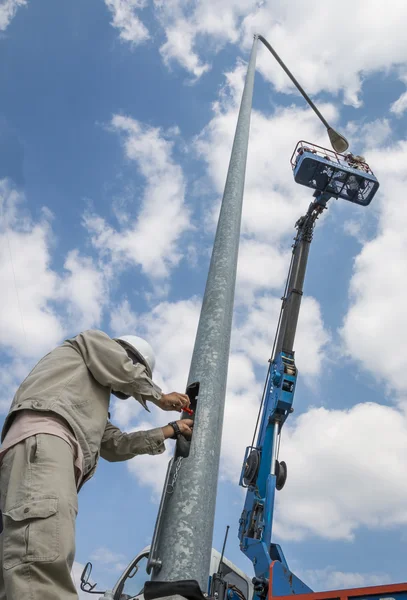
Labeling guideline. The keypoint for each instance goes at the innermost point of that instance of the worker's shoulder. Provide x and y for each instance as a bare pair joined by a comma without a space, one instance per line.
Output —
90,334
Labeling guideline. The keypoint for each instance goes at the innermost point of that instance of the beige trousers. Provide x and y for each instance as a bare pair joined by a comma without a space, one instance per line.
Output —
39,503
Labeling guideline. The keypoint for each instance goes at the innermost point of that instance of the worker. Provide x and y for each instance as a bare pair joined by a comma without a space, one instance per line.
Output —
300,152
57,427
362,165
357,162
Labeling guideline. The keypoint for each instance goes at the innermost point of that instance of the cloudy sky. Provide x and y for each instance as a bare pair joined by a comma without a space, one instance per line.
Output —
116,124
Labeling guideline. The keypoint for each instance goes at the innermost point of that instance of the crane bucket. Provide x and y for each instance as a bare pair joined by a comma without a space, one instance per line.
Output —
337,175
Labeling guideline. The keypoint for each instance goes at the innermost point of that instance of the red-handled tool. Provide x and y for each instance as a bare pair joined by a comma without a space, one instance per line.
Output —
189,411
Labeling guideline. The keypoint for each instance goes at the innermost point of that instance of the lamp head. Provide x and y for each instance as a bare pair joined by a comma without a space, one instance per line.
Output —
339,142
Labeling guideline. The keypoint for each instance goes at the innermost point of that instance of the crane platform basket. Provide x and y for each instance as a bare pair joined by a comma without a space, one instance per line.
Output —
337,175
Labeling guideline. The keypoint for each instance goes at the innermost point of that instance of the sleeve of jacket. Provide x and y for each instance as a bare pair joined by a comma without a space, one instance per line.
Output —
109,364
117,445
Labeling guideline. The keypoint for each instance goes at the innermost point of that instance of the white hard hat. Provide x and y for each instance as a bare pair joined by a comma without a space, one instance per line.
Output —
141,348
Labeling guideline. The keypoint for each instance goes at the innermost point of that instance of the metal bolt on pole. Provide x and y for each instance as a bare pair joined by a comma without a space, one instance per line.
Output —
184,540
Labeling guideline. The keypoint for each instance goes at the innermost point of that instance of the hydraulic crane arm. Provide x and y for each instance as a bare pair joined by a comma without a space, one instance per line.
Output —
262,473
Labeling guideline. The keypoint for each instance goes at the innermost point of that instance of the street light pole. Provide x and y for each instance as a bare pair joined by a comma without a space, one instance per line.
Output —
182,542
338,141
184,535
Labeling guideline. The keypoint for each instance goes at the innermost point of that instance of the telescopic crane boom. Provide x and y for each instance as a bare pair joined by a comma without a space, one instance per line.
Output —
330,175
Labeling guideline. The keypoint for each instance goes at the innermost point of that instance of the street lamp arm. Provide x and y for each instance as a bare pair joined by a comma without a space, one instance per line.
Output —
293,79
339,142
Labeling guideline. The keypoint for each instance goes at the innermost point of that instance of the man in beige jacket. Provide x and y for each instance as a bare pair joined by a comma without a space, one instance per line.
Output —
57,428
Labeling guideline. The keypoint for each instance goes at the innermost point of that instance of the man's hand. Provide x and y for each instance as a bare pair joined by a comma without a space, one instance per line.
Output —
174,401
185,427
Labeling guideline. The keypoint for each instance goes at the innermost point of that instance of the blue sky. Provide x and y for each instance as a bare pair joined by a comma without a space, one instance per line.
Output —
116,124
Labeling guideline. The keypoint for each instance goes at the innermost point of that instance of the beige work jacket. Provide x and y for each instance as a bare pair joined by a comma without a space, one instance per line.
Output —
75,381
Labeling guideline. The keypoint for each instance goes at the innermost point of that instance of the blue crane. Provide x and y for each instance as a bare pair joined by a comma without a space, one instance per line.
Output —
329,174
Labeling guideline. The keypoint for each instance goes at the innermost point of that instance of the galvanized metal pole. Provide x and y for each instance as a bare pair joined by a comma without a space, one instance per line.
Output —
184,538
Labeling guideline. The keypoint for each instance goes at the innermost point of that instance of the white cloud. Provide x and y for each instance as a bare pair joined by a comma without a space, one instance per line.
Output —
85,290
28,323
39,306
8,11
256,334
123,320
150,470
369,135
330,578
359,45
260,267
171,328
179,46
338,479
243,396
112,561
400,105
125,19
311,340
376,319
334,58
126,411
152,241
190,28
10,378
